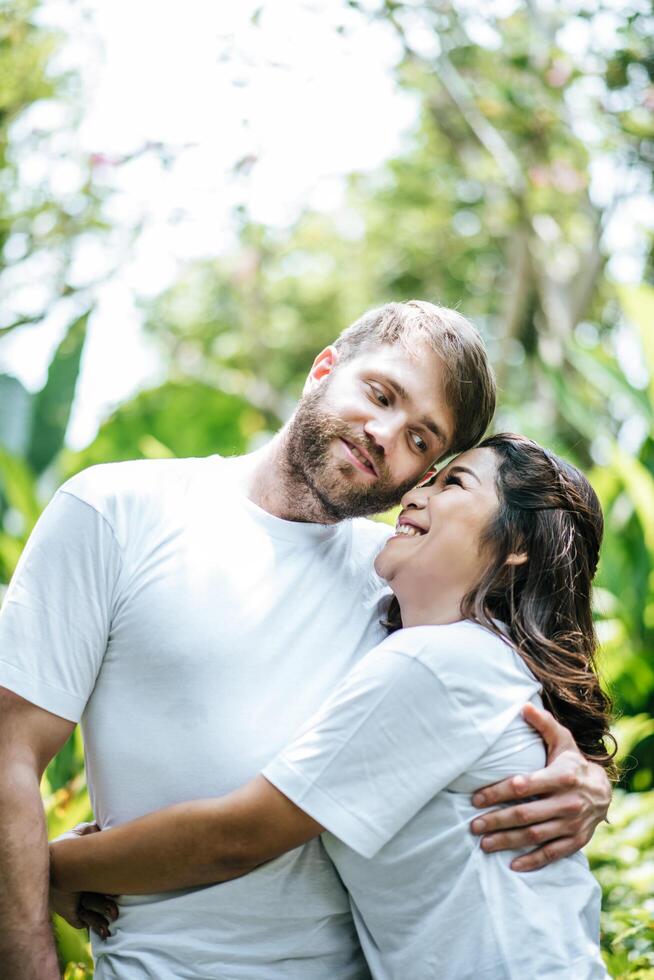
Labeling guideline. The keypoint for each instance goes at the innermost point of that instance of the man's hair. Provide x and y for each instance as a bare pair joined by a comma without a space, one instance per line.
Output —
469,381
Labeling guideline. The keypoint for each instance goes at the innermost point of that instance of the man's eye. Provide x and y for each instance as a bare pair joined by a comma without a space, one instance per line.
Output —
379,396
419,442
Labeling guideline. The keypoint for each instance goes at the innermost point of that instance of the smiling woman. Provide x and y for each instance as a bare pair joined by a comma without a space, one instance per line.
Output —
445,521
490,605
509,526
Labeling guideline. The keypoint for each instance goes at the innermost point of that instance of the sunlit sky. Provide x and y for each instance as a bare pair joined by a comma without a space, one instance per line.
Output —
309,103
304,102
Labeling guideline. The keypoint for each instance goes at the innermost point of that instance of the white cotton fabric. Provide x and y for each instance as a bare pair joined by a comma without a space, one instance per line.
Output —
388,766
193,633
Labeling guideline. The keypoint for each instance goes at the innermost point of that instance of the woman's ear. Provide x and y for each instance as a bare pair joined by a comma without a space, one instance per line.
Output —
517,558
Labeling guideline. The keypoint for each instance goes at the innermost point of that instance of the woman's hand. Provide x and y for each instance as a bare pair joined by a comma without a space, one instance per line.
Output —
83,910
574,797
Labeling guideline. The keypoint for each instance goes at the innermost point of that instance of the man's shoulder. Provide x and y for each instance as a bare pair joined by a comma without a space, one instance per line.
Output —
369,532
108,485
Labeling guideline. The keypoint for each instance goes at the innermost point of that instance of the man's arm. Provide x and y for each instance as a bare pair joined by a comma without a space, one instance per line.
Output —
29,738
196,843
575,795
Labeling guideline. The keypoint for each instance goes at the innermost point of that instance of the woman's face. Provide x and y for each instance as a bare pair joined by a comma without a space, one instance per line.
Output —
438,533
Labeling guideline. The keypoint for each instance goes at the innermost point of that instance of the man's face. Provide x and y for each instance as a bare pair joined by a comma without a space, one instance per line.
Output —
368,428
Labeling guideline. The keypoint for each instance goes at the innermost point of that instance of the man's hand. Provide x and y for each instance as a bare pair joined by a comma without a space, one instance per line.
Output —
84,910
574,797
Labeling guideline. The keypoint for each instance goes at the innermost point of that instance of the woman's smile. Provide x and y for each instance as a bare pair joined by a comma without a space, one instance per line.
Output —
407,527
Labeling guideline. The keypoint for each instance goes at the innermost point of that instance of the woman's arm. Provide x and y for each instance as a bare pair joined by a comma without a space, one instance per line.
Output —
197,843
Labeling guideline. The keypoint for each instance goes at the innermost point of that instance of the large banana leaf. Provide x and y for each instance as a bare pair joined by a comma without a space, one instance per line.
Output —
638,304
18,487
52,405
15,414
639,484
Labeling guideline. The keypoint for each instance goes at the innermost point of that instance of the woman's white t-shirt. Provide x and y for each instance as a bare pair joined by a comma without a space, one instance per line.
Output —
388,766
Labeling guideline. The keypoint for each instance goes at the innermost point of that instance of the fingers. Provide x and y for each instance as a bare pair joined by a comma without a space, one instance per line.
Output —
502,792
542,856
568,808
564,774
83,829
100,904
96,922
519,837
97,912
555,735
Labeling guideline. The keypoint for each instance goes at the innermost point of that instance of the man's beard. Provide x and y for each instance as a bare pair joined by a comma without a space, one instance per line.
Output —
310,460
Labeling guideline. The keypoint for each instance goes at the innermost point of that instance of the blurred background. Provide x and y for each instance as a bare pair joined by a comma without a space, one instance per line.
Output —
194,200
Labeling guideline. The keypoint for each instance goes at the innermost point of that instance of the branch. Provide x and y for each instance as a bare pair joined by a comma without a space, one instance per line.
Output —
519,275
486,134
463,99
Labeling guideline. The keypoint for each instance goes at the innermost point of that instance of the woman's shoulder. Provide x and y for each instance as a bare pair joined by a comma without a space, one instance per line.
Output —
465,652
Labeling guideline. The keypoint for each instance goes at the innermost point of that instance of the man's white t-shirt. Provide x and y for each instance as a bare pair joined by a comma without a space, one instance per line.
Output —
388,766
193,634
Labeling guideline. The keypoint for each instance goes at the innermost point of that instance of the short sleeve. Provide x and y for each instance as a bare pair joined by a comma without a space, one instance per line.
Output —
56,615
390,737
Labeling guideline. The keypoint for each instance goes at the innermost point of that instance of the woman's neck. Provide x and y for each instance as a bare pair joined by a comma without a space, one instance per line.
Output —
437,610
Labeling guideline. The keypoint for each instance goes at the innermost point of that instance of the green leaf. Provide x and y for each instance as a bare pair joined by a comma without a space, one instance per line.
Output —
67,807
15,414
638,305
52,405
18,485
639,484
64,766
74,949
10,552
629,731
179,418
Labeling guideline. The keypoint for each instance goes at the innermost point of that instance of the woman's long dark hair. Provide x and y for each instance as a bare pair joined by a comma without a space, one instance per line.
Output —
549,511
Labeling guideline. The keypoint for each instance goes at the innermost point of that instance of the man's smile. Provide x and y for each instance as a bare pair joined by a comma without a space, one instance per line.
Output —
359,458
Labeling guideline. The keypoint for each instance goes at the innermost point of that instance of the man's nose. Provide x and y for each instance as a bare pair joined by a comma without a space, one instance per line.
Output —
383,431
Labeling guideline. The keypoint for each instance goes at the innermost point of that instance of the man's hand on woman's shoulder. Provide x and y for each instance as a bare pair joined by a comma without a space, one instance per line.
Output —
574,797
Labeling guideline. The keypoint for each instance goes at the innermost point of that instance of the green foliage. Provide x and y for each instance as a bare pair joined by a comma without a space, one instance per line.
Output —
621,855
16,416
52,405
182,418
39,437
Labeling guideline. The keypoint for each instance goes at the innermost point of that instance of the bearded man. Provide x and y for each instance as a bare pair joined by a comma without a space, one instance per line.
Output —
193,613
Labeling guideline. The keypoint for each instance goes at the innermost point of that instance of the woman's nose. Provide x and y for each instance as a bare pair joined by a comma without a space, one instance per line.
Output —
416,498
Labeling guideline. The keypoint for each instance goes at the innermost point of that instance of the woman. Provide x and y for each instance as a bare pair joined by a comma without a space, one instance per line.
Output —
491,568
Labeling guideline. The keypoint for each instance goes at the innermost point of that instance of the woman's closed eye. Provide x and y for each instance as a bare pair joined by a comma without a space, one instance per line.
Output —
451,480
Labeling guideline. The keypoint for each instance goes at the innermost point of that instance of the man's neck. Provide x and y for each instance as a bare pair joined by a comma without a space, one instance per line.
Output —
271,484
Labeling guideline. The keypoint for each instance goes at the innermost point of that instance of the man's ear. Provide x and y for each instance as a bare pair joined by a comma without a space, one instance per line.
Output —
323,365
517,558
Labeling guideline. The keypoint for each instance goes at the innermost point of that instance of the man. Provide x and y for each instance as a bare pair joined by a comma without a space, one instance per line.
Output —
193,613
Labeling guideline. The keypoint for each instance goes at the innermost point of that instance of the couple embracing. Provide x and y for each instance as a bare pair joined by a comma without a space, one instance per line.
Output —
299,724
